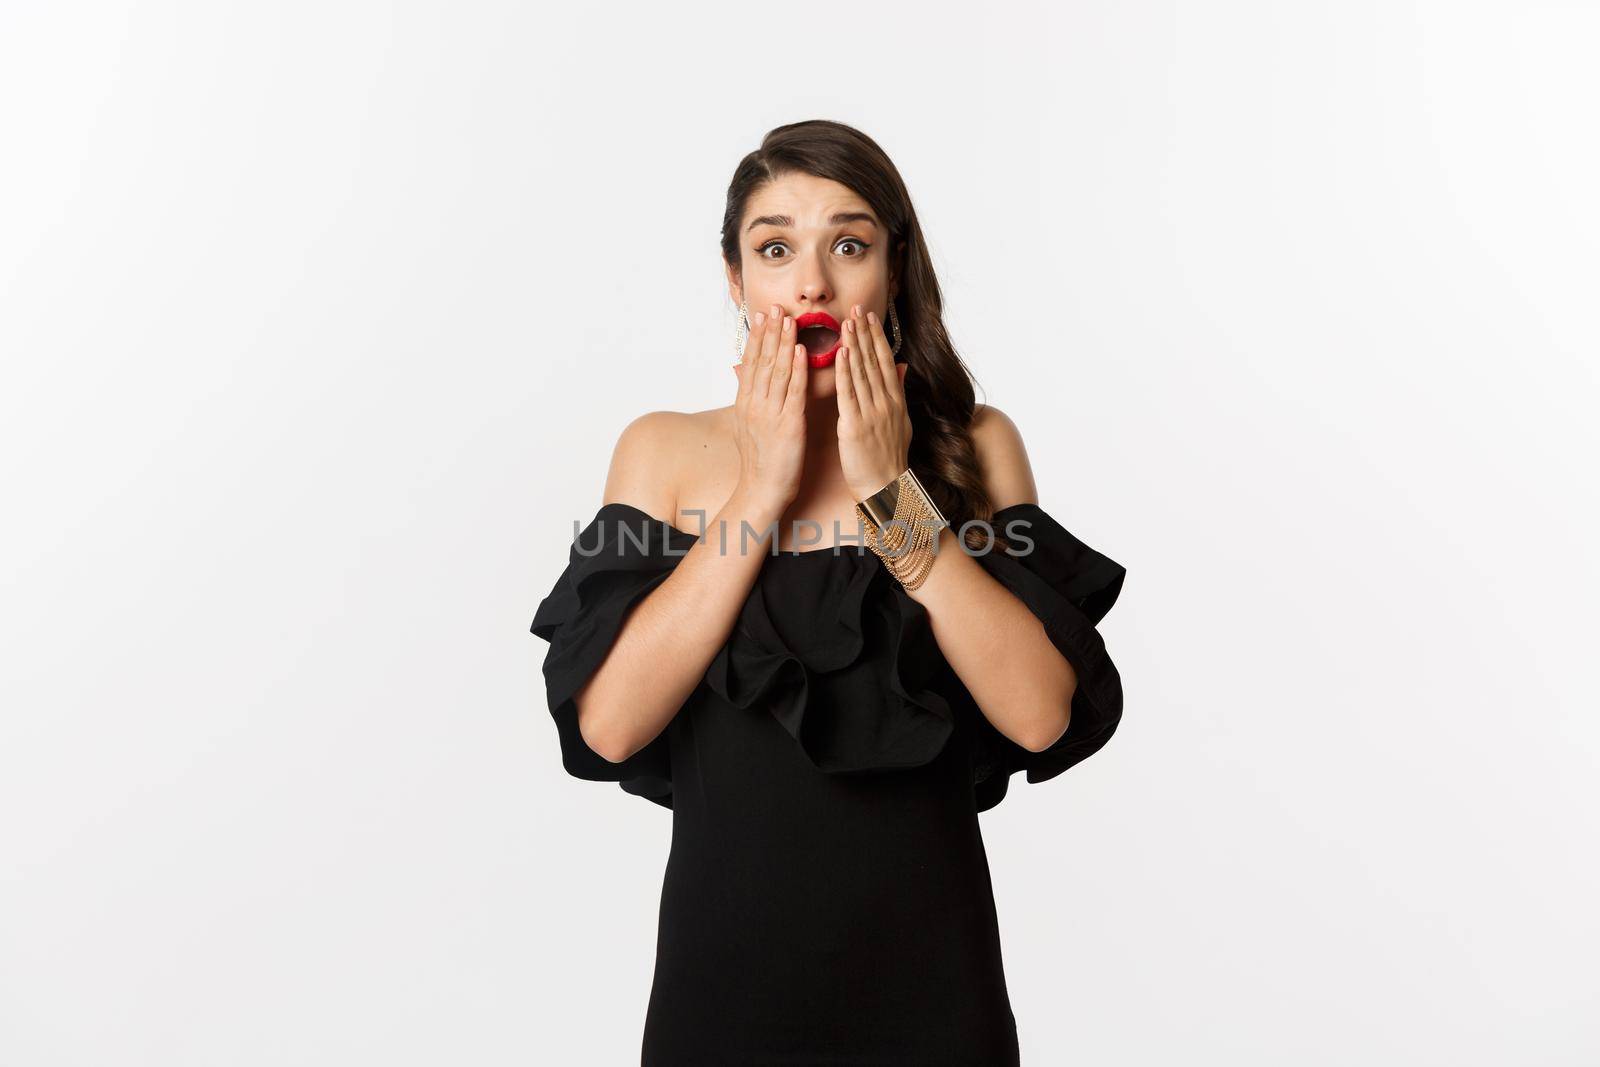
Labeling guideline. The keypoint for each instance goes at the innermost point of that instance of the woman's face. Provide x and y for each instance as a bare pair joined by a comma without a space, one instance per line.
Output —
810,245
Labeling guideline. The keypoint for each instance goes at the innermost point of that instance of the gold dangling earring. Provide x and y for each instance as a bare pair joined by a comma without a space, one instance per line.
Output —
741,333
894,328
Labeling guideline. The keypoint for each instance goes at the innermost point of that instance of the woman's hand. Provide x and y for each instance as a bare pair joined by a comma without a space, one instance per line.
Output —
874,425
769,420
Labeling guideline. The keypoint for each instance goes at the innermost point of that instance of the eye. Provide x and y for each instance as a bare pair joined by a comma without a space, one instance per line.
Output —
862,245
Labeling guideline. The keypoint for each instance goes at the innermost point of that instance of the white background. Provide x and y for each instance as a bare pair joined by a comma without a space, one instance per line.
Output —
319,322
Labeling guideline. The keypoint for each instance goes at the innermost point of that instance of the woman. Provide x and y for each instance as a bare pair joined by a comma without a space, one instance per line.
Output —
828,701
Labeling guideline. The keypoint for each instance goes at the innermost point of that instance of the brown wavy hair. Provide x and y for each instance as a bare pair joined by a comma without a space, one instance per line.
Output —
939,387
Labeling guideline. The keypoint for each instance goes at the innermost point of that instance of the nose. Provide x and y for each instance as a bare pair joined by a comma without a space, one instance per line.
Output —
816,289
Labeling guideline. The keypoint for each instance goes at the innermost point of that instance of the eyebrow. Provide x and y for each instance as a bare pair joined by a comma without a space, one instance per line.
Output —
835,219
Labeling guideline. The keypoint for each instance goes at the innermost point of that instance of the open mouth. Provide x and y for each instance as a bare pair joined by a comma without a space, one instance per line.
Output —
819,332
818,340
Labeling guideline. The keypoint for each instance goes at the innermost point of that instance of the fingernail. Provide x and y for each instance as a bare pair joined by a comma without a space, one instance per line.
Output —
761,318
786,321
872,317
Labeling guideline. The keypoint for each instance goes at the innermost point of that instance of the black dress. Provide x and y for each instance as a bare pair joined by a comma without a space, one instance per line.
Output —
826,897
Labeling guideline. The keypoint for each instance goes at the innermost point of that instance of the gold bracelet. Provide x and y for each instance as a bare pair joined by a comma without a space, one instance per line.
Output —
901,525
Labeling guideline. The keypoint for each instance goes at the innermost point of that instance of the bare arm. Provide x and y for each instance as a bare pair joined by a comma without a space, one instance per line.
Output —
999,649
671,636
992,640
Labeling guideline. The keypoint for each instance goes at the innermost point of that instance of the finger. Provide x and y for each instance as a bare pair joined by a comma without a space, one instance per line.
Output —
885,361
797,380
872,365
858,380
752,346
867,365
844,385
769,352
783,332
783,360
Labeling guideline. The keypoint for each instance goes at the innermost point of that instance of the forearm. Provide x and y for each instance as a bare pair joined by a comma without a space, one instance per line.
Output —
998,648
670,637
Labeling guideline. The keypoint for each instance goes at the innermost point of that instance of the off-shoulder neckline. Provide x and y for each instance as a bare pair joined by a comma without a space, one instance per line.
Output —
838,551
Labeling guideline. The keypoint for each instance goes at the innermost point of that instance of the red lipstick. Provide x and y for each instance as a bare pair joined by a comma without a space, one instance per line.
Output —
819,332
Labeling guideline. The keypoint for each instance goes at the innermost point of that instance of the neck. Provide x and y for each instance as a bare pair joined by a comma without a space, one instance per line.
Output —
822,424
824,477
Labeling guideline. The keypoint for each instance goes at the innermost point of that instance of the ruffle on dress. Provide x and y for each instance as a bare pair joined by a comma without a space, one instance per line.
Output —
1070,587
615,562
860,692
849,667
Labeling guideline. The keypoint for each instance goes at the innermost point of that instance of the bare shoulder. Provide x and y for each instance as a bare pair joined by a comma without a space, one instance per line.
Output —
1002,458
657,454
644,464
